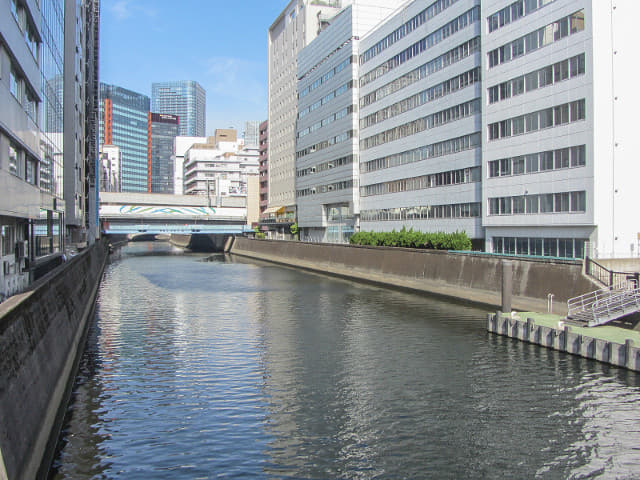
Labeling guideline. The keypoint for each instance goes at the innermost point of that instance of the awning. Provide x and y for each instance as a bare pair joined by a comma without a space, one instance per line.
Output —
274,210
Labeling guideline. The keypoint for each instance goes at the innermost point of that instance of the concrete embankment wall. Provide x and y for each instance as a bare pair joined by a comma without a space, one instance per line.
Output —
468,277
42,335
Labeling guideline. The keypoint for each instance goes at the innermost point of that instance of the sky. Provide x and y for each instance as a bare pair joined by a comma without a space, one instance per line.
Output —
220,44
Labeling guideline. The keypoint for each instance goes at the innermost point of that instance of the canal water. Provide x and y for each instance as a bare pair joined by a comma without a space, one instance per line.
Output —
203,368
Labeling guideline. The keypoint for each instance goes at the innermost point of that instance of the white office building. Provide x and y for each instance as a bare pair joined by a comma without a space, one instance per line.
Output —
559,160
219,170
296,26
180,146
110,168
420,120
327,167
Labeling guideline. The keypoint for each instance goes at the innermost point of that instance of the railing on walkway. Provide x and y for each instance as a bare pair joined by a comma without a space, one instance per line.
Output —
608,277
601,306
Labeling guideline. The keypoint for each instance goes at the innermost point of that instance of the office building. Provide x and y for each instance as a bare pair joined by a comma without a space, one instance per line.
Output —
110,162
123,122
184,98
162,131
420,118
181,146
559,159
296,26
327,167
220,168
80,114
263,150
35,129
251,134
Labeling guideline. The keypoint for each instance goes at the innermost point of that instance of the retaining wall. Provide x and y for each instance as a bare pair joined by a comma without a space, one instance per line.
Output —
625,355
42,334
471,277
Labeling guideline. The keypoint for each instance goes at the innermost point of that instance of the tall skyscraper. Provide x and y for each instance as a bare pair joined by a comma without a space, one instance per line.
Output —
123,122
163,129
186,99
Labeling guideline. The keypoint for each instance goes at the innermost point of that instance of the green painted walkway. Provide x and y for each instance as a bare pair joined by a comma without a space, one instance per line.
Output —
603,332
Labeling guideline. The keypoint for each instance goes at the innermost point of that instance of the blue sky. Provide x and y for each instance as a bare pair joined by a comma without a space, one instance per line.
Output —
220,44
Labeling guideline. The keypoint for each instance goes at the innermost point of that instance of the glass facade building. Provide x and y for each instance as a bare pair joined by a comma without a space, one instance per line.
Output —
52,113
186,99
163,129
123,122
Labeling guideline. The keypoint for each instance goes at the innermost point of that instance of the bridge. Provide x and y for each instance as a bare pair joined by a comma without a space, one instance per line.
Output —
153,213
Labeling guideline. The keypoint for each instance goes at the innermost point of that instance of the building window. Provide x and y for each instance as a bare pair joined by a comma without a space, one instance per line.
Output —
542,37
31,170
563,202
532,246
13,160
531,122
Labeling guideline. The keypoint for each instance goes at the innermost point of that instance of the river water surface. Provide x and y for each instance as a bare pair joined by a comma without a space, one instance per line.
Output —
226,368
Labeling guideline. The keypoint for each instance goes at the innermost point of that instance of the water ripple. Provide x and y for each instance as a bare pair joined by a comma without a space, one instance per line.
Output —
203,369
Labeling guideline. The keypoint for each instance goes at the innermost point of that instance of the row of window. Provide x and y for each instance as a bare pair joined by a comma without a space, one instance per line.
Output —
22,165
343,137
328,75
449,58
440,179
23,94
446,147
539,38
569,68
514,12
437,91
532,122
326,121
564,202
326,99
421,124
344,185
406,28
321,167
30,36
434,38
431,212
541,247
561,158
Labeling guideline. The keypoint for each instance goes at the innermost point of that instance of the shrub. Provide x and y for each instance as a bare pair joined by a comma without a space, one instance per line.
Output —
413,239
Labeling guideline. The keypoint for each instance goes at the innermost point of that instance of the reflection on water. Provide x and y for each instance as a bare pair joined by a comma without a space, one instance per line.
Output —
198,369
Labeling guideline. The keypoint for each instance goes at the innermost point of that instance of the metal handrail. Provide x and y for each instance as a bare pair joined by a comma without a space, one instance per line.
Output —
616,303
608,277
586,301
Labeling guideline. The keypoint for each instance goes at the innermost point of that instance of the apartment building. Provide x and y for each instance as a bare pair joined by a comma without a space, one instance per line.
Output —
420,105
327,168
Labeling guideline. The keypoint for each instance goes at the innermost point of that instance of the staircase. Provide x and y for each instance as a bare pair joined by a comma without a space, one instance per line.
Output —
602,306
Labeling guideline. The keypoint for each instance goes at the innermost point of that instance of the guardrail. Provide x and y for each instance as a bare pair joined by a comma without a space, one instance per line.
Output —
607,277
